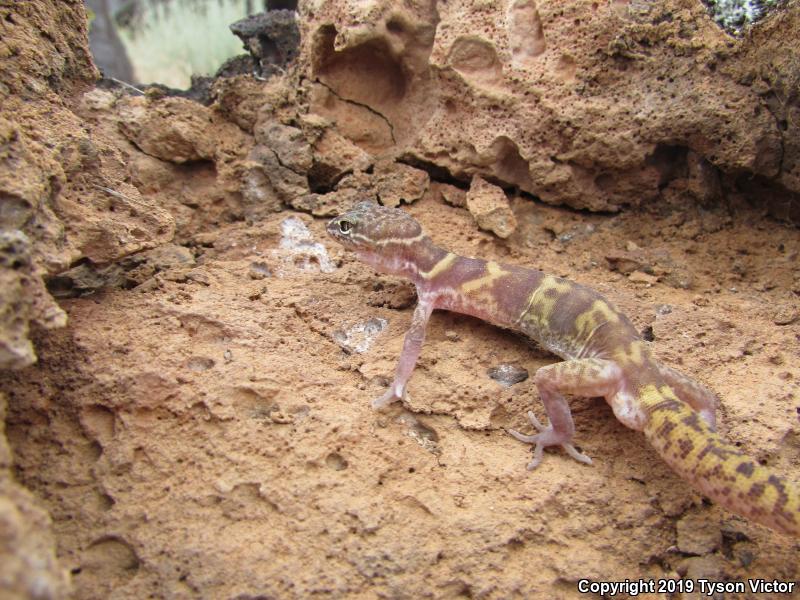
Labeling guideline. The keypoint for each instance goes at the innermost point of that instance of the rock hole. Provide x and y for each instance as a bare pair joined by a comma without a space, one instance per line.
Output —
395,26
566,68
99,421
670,162
367,73
336,461
106,502
96,450
200,363
107,564
509,167
471,55
525,32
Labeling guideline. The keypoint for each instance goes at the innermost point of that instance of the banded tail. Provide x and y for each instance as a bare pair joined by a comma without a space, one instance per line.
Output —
716,468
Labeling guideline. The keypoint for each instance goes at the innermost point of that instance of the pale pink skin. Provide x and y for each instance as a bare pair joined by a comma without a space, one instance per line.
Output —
380,238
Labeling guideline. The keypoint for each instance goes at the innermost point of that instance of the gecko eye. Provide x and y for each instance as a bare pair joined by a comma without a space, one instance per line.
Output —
345,226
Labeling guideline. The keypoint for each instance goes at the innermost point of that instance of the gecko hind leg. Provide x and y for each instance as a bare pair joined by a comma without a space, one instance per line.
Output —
699,397
583,377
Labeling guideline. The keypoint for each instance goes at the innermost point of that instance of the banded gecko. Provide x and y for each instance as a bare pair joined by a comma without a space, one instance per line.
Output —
604,356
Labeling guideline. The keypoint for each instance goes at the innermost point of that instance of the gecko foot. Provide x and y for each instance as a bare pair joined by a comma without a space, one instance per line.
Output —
386,399
547,436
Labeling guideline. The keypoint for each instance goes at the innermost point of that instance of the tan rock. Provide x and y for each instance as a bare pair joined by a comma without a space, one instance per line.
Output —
489,205
334,156
697,534
172,129
397,182
330,204
539,96
452,195
288,143
643,278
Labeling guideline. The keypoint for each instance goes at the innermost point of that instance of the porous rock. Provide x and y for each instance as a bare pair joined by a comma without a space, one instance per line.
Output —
397,182
594,106
489,205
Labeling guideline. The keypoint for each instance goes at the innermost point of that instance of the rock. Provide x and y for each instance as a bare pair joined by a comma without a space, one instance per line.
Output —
88,278
631,246
627,262
786,315
288,143
172,129
258,194
483,91
710,568
23,299
272,39
452,195
397,182
641,277
650,265
268,184
507,374
239,100
360,336
330,204
697,534
259,270
452,336
334,156
489,205
16,350
365,128
28,564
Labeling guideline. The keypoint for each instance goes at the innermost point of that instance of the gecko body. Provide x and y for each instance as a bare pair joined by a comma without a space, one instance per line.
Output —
602,351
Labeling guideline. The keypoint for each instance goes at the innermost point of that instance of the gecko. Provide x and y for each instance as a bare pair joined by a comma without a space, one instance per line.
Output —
603,354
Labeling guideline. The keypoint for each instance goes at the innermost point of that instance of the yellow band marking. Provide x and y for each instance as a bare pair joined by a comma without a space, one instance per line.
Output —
599,312
439,267
542,301
402,241
493,272
634,353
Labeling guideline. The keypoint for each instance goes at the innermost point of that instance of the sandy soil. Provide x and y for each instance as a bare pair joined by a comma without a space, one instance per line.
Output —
200,426
208,437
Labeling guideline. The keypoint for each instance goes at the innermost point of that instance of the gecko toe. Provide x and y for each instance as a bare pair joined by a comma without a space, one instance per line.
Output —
388,397
536,422
573,452
538,453
528,439
547,437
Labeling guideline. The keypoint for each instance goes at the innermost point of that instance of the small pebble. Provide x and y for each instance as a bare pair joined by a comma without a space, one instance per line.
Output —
641,277
786,315
507,375
259,270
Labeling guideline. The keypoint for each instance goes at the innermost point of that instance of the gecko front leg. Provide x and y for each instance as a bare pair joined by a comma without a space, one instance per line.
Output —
412,345
583,377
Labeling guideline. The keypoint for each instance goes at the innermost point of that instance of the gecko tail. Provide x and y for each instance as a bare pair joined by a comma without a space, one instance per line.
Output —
715,467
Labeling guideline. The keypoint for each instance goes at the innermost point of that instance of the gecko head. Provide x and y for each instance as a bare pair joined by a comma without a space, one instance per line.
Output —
386,238
370,227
